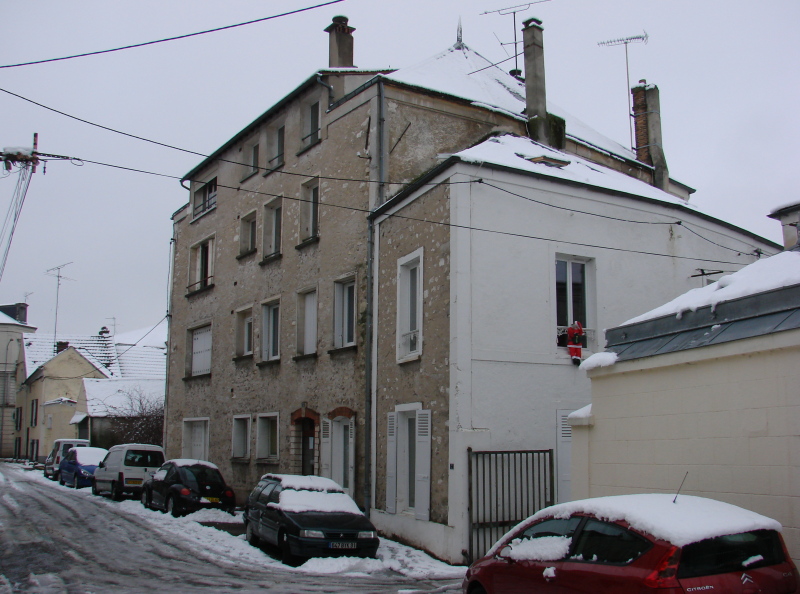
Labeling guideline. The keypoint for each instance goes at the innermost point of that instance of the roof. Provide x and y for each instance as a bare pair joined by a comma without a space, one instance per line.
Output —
762,298
98,350
109,397
305,482
6,320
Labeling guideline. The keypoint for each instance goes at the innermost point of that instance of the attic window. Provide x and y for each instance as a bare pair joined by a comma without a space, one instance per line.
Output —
549,161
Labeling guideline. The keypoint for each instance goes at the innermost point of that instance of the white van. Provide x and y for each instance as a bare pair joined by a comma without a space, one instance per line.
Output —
125,468
61,448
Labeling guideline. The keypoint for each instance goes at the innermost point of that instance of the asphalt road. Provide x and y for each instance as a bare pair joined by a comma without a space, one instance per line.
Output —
55,540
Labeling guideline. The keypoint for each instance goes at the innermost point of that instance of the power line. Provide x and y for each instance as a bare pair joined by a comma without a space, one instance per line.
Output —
117,49
416,219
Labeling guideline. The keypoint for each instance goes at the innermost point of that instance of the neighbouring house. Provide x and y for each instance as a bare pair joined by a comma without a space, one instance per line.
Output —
374,281
13,324
701,395
58,396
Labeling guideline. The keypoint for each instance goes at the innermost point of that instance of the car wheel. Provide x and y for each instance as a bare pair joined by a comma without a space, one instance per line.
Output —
94,488
54,476
116,491
174,508
286,550
60,479
144,499
75,482
251,535
477,589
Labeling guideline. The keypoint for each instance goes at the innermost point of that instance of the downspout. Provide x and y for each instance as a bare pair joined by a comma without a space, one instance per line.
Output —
368,371
329,87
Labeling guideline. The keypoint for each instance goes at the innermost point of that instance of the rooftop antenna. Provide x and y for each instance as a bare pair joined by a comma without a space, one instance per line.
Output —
513,10
113,324
25,298
58,275
625,41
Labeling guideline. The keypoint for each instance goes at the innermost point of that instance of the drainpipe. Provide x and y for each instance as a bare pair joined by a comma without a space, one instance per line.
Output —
329,87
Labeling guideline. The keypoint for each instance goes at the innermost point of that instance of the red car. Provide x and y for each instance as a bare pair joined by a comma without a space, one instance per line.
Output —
634,544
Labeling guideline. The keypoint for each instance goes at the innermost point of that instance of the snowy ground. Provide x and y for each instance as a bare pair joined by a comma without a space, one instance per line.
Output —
221,547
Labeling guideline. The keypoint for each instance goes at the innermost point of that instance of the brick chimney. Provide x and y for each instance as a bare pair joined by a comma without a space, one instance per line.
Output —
542,127
647,123
789,217
18,311
340,52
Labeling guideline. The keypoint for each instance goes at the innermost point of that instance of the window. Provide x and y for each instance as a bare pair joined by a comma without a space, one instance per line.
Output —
247,234
270,334
408,464
344,314
254,158
267,436
201,262
409,306
34,450
205,198
337,451
240,439
18,418
195,439
309,216
307,323
201,351
244,332
554,527
603,542
34,412
311,129
278,138
570,296
731,553
273,213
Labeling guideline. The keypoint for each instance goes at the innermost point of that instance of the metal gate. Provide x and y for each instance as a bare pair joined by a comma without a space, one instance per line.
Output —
504,489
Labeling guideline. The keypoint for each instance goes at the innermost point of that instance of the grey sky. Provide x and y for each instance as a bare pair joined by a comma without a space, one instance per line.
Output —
727,71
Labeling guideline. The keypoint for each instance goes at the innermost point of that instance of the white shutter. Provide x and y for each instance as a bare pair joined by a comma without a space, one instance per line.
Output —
391,463
201,351
310,323
422,480
325,448
351,463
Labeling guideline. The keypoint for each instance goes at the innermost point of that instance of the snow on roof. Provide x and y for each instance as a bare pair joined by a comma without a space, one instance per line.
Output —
8,320
775,272
191,462
517,151
143,361
690,519
604,359
97,349
152,337
462,72
308,483
107,397
89,455
299,501
77,418
61,400
581,413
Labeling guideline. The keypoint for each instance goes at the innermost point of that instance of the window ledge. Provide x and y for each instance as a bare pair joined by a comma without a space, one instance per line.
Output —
304,357
351,348
409,358
270,460
249,175
270,258
268,363
240,460
202,214
200,290
308,147
190,378
307,242
249,252
273,170
240,358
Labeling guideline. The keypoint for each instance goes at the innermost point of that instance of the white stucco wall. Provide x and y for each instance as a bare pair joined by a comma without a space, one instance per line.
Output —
728,414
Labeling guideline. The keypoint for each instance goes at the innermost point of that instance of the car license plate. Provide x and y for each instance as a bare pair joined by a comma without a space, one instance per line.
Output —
133,481
212,499
342,545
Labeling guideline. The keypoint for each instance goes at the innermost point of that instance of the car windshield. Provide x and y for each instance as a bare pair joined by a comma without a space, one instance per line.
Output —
195,477
149,458
731,553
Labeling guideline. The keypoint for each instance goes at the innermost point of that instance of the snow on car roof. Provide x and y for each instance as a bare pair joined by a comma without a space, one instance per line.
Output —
690,519
191,462
89,455
297,501
307,483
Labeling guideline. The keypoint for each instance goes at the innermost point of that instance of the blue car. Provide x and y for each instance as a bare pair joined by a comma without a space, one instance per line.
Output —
77,468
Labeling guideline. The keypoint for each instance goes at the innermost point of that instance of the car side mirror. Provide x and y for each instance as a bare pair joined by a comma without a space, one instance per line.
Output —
505,554
101,465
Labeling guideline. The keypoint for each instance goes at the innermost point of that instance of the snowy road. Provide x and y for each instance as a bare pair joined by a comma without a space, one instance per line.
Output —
54,539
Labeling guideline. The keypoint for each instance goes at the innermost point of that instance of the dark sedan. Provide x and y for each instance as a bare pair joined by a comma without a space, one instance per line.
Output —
182,486
307,516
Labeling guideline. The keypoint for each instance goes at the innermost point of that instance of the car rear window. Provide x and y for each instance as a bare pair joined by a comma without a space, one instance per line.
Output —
144,458
201,476
735,552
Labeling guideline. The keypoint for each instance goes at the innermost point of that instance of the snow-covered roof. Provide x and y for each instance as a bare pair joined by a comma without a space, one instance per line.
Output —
61,400
6,320
77,418
780,270
689,519
517,152
90,456
307,483
152,337
462,72
105,397
98,350
299,501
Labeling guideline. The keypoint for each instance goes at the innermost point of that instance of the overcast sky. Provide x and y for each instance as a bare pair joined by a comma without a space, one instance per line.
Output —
727,71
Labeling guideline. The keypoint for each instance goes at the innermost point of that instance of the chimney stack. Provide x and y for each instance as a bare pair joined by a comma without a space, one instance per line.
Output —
340,53
789,217
647,123
542,126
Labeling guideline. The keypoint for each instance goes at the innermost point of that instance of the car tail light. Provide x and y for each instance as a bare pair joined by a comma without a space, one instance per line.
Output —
665,574
185,492
229,494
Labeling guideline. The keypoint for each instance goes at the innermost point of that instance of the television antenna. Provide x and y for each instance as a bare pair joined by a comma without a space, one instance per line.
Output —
513,10
55,271
625,41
